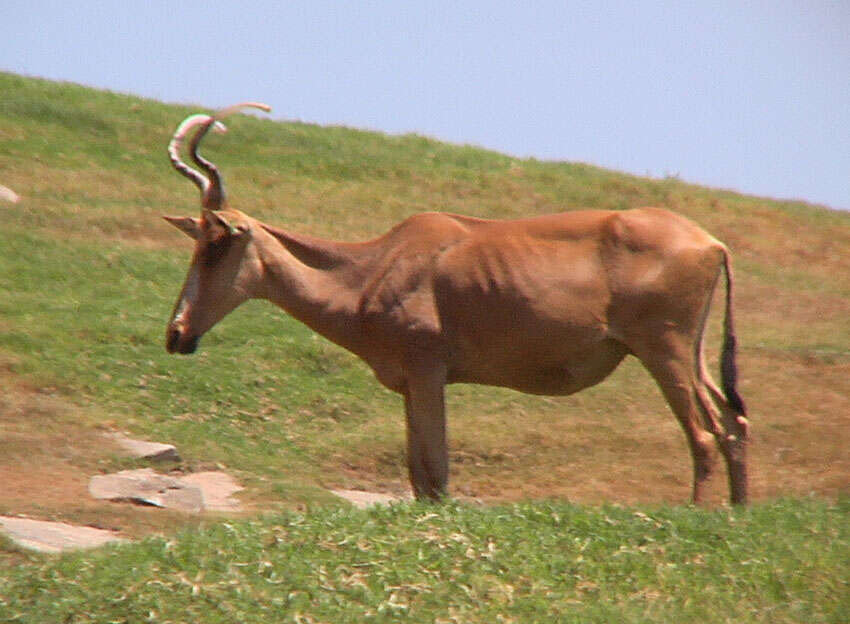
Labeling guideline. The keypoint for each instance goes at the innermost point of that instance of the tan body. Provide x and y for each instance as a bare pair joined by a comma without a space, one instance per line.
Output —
546,305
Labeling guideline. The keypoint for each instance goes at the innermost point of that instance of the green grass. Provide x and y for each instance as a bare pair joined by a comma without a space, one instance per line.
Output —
88,276
101,341
89,273
788,561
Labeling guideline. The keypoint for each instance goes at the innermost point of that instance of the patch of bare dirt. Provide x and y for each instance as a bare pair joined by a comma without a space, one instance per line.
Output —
48,452
633,453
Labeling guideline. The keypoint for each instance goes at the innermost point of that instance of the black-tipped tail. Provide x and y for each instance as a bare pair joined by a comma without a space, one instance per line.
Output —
728,365
729,372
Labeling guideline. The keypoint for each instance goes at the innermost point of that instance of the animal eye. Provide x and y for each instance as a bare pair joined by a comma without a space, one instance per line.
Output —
216,249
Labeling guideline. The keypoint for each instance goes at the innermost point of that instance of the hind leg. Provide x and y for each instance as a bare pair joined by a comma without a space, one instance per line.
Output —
702,410
670,363
732,437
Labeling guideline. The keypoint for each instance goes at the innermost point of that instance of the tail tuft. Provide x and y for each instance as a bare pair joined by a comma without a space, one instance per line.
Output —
728,367
729,375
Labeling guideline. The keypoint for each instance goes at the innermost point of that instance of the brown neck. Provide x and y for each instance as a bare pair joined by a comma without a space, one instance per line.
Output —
318,282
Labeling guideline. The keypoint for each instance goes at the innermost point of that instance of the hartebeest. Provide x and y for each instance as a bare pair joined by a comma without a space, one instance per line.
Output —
545,305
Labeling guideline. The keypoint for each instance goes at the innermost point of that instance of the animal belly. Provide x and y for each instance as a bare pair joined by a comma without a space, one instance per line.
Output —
550,373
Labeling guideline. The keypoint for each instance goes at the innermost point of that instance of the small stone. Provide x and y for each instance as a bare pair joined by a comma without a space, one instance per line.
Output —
147,487
362,499
217,488
154,451
7,194
54,537
193,493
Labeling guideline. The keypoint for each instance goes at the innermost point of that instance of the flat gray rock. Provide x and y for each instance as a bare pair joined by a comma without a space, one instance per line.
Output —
217,488
192,493
54,537
362,499
155,451
147,487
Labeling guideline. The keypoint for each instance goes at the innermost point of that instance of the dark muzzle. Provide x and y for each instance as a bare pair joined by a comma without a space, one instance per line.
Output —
177,342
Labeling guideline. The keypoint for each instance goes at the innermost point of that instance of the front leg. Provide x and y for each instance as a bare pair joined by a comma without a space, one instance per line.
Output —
427,450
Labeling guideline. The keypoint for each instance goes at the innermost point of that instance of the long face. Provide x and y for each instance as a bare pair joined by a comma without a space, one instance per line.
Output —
225,271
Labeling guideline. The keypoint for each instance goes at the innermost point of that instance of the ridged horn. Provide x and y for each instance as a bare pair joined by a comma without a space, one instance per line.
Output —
211,186
176,143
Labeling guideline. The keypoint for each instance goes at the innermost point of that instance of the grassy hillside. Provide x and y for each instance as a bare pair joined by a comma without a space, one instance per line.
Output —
90,272
88,275
542,562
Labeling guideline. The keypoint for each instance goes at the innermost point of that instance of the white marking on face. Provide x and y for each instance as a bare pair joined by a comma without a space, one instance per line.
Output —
190,292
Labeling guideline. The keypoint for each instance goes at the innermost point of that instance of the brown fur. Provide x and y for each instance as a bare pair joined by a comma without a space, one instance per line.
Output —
546,305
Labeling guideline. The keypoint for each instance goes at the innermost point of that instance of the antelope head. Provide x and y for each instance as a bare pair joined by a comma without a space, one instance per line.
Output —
225,267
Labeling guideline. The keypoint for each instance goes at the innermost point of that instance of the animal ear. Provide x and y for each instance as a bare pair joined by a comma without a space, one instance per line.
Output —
219,221
188,225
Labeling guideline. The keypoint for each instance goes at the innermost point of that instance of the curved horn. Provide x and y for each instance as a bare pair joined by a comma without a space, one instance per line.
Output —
213,193
177,142
224,112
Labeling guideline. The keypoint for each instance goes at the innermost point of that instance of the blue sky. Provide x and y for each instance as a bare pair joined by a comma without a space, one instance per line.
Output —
751,96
